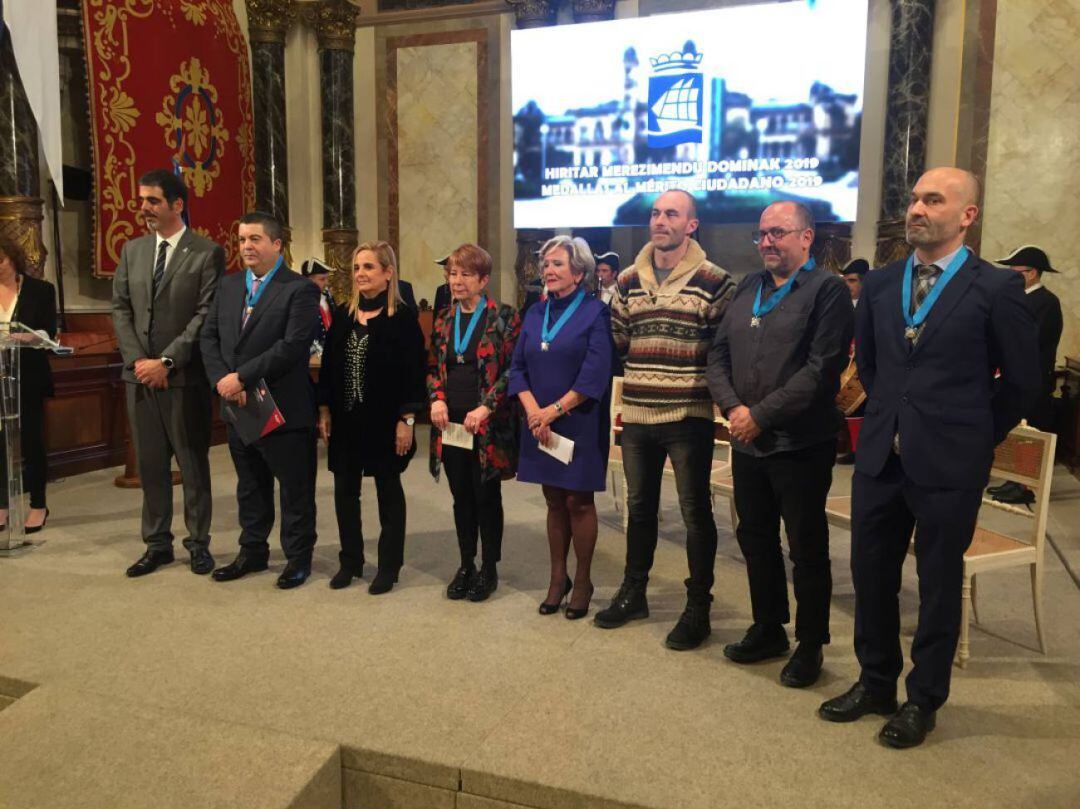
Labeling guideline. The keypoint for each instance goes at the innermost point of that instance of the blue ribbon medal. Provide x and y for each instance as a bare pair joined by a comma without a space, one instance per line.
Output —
548,333
461,344
914,321
251,300
762,309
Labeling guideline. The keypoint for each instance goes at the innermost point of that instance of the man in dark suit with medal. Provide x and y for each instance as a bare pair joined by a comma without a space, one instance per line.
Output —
930,332
260,327
162,291
774,370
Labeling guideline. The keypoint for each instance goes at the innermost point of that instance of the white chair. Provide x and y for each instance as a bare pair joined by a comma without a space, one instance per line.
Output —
1026,456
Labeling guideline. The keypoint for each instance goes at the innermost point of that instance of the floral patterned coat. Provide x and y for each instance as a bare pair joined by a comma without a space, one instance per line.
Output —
497,439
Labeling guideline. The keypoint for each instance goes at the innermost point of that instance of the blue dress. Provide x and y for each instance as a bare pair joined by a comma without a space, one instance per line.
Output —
578,359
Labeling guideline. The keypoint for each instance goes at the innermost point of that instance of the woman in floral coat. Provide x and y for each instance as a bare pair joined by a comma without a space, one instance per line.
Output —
472,343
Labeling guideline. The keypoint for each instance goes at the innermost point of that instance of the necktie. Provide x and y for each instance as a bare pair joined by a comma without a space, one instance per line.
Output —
159,265
247,308
924,282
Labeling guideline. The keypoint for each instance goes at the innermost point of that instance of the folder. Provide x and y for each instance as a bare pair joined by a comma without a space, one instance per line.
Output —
258,417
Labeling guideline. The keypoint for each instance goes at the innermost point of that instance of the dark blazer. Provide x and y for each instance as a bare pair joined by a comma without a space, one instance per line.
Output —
275,344
36,309
1046,309
165,323
442,298
394,379
941,395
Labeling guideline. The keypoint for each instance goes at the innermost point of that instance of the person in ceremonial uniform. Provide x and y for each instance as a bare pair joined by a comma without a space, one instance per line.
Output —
930,332
561,374
472,343
853,274
319,274
1031,262
607,273
663,319
774,371
371,386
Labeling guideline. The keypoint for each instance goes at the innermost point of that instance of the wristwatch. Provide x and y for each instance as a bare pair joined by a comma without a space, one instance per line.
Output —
168,363
559,408
409,420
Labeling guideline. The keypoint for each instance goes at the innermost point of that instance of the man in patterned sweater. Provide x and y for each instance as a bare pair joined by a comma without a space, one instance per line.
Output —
663,316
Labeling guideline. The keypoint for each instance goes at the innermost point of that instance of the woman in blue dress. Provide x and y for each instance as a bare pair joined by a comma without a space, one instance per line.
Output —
561,373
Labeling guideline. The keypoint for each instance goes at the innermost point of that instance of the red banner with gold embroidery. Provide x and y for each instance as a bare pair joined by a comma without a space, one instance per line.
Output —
170,87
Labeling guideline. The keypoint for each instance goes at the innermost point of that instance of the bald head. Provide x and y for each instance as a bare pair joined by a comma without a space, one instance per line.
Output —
944,204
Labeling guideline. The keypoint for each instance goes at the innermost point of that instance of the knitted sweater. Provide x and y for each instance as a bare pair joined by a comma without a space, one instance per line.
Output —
663,333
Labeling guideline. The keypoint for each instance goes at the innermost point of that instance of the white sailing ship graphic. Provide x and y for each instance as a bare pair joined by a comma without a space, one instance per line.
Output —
678,108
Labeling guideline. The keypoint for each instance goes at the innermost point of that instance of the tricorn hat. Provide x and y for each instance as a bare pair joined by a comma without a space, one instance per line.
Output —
313,266
858,266
1028,255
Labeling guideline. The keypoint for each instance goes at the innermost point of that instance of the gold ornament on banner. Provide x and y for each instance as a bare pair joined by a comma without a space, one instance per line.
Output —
194,126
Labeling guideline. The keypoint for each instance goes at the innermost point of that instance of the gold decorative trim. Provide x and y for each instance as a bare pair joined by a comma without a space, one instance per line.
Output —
891,242
20,221
270,20
594,10
338,247
334,22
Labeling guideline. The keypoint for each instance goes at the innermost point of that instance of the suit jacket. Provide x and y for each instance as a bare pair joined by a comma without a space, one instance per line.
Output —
941,395
275,345
442,298
165,324
36,309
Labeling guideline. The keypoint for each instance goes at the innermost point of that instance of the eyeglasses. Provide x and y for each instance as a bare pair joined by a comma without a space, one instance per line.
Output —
776,234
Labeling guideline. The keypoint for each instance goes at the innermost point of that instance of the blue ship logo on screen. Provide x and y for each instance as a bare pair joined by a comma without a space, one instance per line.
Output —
676,98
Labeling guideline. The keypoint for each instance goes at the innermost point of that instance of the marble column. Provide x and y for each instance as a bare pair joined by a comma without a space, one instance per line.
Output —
21,207
910,50
268,23
335,28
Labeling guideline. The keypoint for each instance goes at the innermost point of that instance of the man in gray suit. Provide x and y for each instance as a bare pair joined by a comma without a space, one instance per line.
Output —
161,293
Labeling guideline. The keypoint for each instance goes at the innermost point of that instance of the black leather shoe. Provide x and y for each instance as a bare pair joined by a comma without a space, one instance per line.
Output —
294,574
909,727
243,564
1015,494
693,627
856,703
804,667
458,587
629,604
383,582
201,561
484,583
149,562
343,578
761,642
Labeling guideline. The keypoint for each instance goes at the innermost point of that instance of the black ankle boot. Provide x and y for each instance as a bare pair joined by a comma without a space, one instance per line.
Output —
343,578
628,604
693,626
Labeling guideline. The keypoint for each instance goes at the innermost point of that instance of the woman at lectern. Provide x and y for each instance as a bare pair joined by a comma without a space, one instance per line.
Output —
371,385
31,302
473,421
561,374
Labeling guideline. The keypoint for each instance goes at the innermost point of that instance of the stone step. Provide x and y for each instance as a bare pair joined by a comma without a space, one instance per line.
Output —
63,747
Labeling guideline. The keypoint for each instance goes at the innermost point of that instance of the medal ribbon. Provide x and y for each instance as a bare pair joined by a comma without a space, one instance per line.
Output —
251,300
915,320
548,332
459,344
762,309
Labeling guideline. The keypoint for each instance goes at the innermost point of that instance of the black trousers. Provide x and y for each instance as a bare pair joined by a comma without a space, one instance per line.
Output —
689,445
884,510
287,456
792,486
391,498
478,508
35,465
